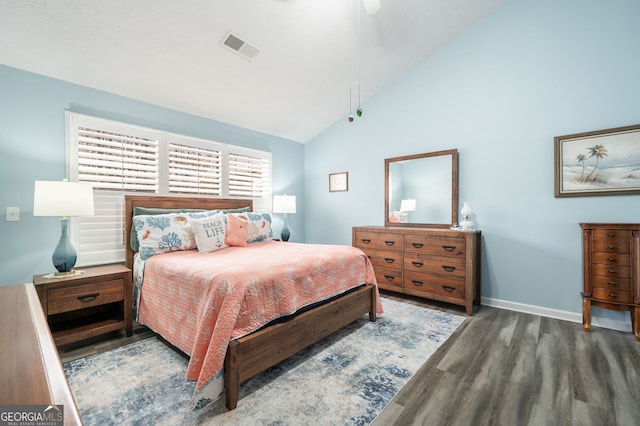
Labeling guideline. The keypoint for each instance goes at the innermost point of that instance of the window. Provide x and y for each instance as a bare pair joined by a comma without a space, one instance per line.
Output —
121,159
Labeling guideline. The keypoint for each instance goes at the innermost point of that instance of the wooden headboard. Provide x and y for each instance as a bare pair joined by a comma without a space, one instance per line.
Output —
131,201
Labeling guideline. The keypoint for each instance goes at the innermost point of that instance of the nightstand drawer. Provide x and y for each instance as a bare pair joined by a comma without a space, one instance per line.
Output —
84,296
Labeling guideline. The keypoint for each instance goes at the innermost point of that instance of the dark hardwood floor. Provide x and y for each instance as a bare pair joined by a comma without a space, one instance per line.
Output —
503,368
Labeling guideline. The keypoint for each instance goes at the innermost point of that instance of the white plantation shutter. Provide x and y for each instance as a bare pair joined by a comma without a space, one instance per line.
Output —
119,159
194,170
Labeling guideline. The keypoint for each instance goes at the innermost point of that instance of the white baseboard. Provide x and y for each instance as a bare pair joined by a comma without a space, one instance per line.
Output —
557,314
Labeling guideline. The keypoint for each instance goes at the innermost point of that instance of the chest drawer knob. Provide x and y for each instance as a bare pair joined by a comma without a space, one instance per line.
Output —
417,245
611,247
449,248
88,297
389,277
611,259
389,259
366,240
612,283
417,282
613,295
389,242
448,268
448,288
417,264
611,234
612,271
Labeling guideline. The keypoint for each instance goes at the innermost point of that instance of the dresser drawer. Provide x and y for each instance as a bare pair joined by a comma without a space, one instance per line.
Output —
72,298
611,235
612,295
378,240
422,283
428,244
614,246
440,266
612,259
385,258
611,271
612,283
387,277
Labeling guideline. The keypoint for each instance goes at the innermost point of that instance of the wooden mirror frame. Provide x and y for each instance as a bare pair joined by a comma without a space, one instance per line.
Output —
454,188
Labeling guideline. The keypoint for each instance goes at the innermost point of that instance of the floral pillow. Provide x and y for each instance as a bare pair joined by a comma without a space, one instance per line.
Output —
258,226
163,233
236,231
210,233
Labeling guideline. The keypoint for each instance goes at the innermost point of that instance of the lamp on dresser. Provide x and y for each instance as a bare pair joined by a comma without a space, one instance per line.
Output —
64,199
284,204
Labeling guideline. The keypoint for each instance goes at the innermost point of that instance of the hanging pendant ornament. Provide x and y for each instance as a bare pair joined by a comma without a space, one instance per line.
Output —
359,112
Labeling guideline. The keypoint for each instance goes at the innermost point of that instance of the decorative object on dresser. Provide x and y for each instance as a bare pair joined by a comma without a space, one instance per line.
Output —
466,224
91,302
438,264
611,276
64,199
284,204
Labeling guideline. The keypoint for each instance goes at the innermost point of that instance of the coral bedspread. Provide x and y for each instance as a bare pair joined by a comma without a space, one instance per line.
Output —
200,301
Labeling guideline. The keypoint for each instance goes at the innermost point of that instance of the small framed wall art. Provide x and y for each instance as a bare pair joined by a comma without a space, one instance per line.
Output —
338,182
604,162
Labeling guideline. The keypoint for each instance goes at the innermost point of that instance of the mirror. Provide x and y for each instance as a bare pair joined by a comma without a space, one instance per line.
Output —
422,190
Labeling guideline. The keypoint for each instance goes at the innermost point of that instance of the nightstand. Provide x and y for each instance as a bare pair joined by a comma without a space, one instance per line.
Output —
91,302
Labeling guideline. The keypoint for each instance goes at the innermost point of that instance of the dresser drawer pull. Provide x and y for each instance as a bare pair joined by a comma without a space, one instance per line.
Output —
448,288
366,240
449,248
611,247
448,268
417,245
416,282
612,271
417,264
389,259
612,283
613,295
389,277
389,242
611,234
611,259
88,297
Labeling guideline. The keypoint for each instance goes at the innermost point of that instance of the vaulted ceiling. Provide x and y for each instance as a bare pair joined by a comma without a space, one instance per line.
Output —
311,54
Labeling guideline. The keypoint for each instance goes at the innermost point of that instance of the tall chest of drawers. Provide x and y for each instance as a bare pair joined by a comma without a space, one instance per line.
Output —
610,265
438,264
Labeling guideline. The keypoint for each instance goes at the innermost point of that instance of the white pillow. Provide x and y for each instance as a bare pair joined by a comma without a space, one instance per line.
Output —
210,233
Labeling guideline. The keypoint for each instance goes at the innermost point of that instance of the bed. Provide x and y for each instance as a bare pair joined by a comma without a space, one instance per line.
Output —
249,351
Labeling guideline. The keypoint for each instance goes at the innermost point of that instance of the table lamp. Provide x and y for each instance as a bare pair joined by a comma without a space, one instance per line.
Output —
64,199
284,204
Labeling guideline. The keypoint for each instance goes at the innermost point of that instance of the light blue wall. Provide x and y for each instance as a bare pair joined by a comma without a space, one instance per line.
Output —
32,147
499,94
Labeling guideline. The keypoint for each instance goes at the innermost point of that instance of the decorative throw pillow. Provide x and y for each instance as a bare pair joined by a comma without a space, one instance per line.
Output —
210,233
258,226
163,233
236,231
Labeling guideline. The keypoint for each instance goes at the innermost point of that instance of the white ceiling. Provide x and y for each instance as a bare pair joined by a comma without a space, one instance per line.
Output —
168,52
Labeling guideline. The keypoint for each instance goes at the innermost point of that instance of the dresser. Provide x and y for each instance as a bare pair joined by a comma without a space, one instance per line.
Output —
610,265
437,264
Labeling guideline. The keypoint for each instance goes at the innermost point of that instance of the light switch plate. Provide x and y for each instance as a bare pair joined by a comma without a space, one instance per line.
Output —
13,214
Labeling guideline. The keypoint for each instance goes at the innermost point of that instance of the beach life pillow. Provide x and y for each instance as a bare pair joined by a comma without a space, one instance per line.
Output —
258,226
163,233
210,233
236,230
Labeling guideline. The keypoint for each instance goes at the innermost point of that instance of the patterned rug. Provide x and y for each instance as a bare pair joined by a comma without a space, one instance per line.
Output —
346,379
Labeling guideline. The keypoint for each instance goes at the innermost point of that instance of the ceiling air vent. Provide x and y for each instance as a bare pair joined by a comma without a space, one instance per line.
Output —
242,47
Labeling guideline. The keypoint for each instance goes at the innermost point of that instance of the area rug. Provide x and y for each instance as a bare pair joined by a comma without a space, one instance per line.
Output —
345,379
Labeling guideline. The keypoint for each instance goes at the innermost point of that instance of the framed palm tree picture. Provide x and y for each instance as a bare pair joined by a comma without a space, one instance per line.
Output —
604,162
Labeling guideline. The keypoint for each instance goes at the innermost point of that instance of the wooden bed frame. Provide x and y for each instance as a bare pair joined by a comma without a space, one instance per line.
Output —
254,353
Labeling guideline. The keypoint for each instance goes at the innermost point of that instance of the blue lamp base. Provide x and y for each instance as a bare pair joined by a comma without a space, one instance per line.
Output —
64,256
285,234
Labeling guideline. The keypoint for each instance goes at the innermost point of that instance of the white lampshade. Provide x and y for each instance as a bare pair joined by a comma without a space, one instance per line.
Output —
408,205
62,198
284,203
371,7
